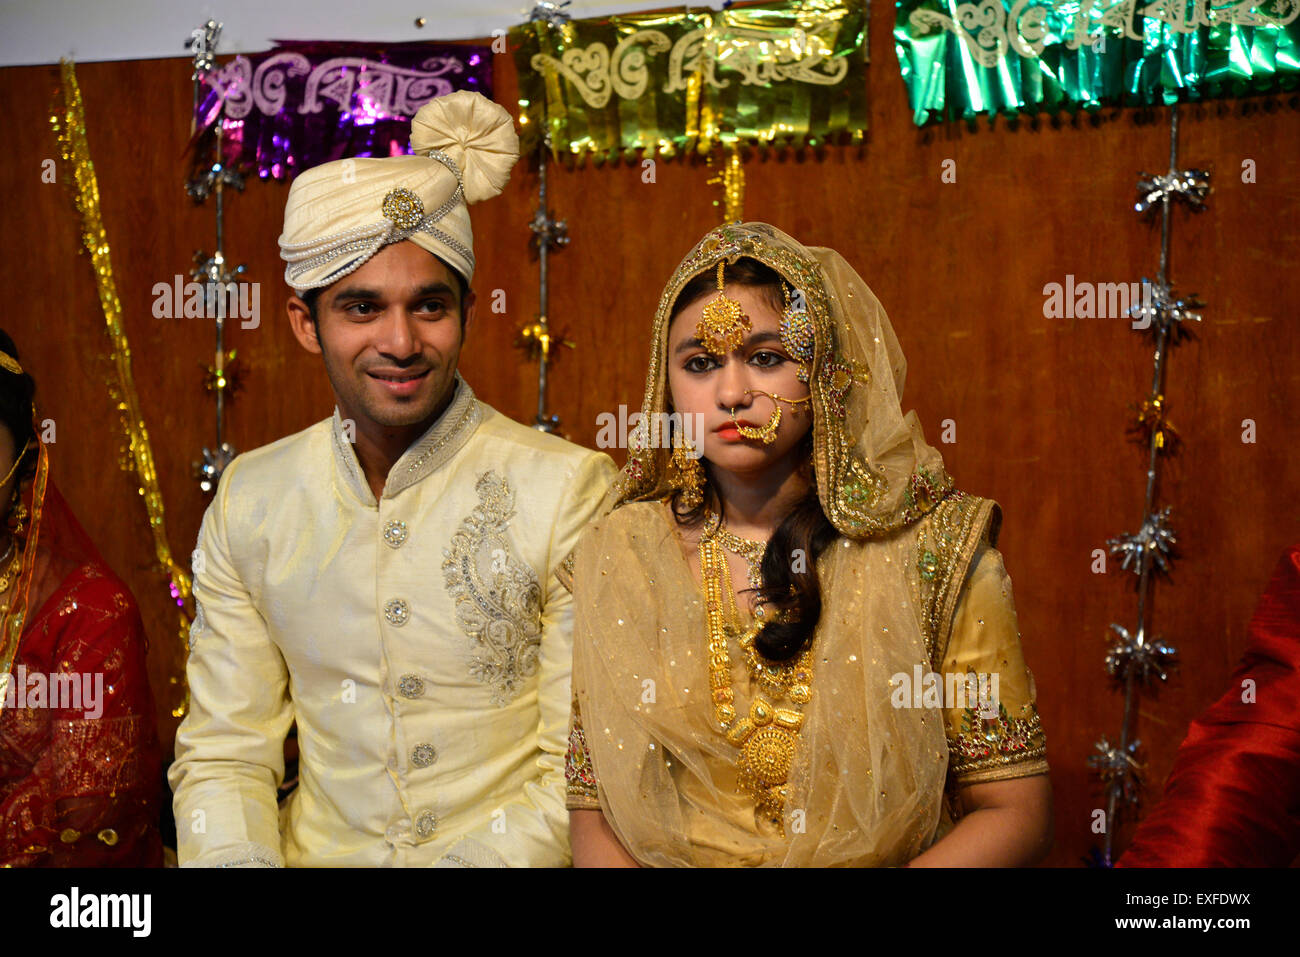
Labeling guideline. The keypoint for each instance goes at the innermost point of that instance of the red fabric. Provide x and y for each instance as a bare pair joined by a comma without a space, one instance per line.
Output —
60,770
1233,796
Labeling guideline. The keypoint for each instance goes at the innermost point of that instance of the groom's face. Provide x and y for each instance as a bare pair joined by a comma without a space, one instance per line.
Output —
390,334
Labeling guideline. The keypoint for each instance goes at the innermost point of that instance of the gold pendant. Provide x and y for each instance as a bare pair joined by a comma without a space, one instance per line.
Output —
766,757
767,741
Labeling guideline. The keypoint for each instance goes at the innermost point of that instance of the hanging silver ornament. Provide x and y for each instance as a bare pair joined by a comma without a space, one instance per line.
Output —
552,13
1136,656
1151,547
1189,185
1158,309
1119,768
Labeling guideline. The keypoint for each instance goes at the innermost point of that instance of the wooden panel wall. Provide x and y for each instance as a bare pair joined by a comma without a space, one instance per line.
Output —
1039,405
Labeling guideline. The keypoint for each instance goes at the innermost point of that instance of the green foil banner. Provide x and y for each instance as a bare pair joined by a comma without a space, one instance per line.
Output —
960,60
667,83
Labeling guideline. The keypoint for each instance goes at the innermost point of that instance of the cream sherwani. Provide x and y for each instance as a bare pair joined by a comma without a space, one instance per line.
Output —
422,642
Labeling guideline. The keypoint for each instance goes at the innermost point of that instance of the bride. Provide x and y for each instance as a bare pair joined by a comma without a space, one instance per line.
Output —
795,643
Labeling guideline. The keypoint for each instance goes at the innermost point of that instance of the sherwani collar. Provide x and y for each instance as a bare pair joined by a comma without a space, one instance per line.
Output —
438,444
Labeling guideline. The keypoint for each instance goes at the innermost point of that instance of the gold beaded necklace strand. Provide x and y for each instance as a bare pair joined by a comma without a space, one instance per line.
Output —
767,737
789,679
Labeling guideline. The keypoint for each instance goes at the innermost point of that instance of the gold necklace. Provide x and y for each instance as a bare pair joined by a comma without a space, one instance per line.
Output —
767,737
778,680
789,679
751,551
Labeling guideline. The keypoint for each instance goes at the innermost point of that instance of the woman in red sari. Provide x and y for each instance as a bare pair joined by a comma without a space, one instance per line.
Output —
1233,796
79,753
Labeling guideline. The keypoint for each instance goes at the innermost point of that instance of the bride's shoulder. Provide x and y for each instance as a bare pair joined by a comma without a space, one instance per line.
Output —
629,520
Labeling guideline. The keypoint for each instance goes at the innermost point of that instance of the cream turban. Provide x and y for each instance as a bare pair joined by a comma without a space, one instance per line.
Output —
339,214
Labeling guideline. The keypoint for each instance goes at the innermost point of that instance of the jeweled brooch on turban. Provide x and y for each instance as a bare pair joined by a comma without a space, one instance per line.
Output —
403,208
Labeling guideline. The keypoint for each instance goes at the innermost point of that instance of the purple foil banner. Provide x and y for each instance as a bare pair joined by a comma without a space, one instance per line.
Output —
301,104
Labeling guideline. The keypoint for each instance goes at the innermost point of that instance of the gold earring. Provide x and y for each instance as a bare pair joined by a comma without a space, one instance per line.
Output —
686,475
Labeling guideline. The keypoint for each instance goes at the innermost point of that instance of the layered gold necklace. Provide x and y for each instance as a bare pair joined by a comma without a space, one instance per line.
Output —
768,735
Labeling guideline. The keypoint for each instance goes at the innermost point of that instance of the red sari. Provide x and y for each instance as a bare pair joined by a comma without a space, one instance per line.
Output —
79,772
1233,796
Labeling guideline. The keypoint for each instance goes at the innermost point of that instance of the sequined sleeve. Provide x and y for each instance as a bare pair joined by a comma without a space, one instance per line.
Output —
579,773
994,732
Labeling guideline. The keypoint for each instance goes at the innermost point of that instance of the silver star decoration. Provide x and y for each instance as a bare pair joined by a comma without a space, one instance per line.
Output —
203,46
214,463
546,229
1119,768
212,269
552,13
1152,547
1132,654
202,185
1190,185
1158,309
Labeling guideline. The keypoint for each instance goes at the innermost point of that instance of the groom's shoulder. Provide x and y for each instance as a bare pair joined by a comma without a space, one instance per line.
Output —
529,445
285,460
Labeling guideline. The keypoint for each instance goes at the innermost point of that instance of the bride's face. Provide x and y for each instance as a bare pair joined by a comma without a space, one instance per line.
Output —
709,387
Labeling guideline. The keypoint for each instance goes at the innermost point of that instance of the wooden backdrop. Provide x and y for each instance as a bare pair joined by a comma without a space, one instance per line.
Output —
1039,405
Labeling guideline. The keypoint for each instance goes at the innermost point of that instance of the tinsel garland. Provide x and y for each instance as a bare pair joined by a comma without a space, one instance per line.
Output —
68,119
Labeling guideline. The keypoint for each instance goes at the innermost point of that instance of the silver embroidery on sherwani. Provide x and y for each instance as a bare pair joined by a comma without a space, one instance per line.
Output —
498,596
199,624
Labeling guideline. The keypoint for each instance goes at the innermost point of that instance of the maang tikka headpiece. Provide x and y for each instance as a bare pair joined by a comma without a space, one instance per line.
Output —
723,324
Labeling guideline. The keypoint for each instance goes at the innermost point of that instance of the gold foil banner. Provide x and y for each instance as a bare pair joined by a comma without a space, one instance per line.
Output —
69,122
776,74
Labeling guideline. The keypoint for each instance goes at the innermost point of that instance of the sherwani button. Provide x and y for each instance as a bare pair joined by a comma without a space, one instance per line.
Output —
425,824
395,533
423,755
397,611
410,686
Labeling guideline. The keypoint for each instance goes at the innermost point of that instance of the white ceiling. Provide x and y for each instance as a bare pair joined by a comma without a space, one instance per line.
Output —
42,31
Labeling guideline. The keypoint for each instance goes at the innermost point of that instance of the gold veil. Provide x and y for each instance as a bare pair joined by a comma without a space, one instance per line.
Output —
867,783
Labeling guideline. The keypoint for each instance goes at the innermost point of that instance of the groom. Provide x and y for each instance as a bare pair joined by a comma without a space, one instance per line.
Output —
387,578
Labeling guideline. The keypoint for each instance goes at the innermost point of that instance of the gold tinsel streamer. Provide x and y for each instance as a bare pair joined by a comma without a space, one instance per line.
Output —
732,179
69,122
